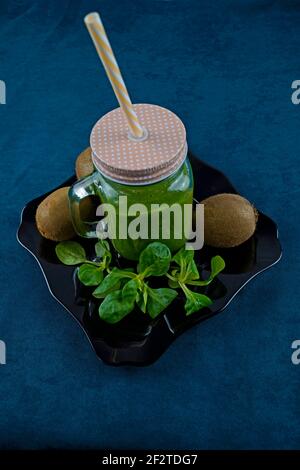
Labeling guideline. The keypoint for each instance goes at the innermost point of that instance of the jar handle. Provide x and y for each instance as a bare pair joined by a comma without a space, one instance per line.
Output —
77,192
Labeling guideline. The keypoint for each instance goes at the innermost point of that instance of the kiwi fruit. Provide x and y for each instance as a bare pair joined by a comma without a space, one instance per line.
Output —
229,220
53,217
84,164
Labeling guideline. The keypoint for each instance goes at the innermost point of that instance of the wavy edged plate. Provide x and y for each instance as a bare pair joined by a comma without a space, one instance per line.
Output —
137,340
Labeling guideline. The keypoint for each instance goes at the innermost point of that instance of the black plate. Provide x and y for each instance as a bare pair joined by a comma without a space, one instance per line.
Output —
138,340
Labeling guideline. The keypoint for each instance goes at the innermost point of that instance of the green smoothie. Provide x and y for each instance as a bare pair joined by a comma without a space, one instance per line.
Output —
175,189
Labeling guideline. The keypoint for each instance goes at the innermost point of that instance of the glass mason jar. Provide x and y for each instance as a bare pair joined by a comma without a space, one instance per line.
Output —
153,171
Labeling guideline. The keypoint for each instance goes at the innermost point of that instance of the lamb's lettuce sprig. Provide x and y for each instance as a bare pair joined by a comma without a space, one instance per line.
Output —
122,289
186,273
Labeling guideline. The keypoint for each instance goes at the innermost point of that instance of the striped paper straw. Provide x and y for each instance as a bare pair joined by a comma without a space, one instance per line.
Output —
101,42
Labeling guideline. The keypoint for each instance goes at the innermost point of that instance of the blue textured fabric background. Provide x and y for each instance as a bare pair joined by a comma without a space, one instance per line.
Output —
226,68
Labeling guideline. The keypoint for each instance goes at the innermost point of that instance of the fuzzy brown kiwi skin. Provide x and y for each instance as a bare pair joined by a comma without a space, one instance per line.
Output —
53,217
84,164
229,220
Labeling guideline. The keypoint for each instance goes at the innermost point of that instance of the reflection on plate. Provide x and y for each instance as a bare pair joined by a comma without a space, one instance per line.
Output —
138,340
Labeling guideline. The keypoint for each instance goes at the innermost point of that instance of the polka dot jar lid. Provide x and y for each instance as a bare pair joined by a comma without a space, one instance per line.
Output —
158,154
